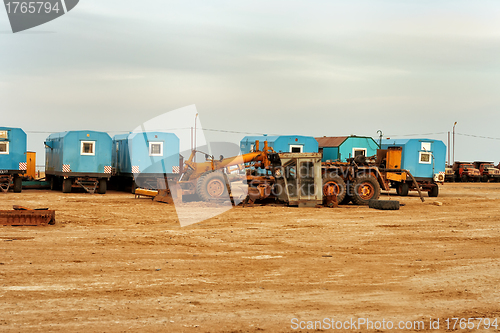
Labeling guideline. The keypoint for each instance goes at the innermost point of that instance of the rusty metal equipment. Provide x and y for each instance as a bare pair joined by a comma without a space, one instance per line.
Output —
23,216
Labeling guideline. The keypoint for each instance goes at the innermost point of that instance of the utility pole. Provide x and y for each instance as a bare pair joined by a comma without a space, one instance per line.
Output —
454,142
449,148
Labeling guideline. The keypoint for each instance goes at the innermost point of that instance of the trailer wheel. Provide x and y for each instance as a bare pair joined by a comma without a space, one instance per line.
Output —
67,185
363,189
211,186
18,184
434,191
334,185
402,189
384,204
103,186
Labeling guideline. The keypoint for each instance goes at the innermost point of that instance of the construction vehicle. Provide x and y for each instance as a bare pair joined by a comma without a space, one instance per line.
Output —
388,163
296,182
297,179
466,172
449,175
487,171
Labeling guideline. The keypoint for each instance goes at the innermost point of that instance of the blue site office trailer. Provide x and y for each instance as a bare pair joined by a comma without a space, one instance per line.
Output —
146,157
280,143
340,148
425,158
78,158
13,146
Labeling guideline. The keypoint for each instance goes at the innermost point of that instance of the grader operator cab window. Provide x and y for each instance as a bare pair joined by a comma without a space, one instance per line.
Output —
88,148
156,149
4,148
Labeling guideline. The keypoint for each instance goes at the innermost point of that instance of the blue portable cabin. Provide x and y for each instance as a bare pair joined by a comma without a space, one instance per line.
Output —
76,155
340,148
280,143
13,146
425,158
146,156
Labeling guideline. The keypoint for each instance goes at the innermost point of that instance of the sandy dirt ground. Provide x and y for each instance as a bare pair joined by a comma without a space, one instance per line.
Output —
113,263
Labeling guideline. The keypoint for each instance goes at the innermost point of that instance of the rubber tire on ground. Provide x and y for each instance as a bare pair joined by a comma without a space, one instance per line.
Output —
364,181
339,182
464,178
434,191
484,179
103,186
211,185
134,186
403,189
384,204
66,188
18,184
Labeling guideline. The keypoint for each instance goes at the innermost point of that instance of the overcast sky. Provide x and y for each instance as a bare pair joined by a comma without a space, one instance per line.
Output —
279,67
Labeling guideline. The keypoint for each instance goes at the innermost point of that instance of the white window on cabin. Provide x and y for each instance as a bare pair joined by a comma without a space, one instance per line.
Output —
296,148
425,158
358,152
252,148
156,149
426,146
4,148
4,134
88,148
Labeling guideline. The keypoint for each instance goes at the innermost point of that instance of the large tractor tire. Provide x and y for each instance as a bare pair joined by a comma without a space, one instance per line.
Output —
103,186
334,185
67,185
464,178
384,204
211,186
18,184
364,189
402,189
434,191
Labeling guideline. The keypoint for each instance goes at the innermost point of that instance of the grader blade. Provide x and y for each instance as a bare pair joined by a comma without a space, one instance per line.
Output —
164,196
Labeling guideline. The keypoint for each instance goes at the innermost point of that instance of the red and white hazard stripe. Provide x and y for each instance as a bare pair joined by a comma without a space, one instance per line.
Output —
23,166
135,169
176,169
66,168
107,169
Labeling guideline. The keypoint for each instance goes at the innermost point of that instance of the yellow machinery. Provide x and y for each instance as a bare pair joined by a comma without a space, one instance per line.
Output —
30,165
199,178
393,160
